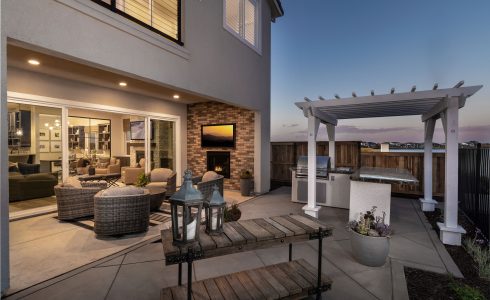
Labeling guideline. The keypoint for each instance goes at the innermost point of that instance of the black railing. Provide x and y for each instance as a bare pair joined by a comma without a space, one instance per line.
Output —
159,18
474,186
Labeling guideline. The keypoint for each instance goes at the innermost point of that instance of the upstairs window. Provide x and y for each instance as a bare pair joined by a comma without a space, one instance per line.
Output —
161,16
241,17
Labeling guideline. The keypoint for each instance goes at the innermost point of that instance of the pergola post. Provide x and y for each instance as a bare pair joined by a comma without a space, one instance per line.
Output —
427,203
311,208
331,144
450,230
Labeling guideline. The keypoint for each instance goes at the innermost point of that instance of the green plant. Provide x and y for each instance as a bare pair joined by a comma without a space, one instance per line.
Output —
232,213
245,174
480,255
465,292
370,225
142,180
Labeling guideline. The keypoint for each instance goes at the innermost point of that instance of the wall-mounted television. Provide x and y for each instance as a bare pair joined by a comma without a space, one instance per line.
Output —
220,135
137,129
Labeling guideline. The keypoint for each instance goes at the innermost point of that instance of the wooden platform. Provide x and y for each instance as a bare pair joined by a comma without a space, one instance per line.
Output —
288,280
246,235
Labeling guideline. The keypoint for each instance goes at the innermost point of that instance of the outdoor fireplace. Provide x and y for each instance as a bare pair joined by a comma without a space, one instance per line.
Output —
219,162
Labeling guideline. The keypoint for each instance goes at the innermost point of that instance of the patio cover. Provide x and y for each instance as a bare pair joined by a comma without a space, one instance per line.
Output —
430,105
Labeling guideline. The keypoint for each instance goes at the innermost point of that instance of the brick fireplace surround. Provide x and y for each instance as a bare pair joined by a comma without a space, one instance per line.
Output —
208,113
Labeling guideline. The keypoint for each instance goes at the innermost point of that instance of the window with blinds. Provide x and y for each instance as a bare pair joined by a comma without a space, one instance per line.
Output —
241,18
161,16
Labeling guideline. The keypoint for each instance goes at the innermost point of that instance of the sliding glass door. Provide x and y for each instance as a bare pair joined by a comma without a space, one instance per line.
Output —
162,142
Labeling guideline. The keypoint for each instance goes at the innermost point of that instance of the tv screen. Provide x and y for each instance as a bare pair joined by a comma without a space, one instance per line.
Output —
218,135
137,129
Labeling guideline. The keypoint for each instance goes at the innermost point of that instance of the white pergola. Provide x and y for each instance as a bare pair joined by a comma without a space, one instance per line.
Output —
431,105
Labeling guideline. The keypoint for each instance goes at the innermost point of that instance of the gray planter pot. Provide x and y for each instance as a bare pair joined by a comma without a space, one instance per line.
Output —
246,186
368,250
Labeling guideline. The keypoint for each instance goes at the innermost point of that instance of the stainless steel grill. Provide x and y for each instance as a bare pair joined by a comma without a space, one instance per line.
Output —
322,166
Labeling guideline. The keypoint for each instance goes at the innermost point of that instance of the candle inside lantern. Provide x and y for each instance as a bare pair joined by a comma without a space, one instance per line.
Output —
191,230
214,222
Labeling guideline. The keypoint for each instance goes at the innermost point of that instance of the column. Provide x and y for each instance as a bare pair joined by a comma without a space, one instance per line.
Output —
4,187
427,203
65,152
148,157
450,231
311,208
331,144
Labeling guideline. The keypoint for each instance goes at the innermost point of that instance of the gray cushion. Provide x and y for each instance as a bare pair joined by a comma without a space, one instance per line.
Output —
160,174
123,191
210,175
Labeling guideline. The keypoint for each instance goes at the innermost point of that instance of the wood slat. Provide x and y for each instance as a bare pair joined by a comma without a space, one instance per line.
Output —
307,228
304,273
225,288
206,241
285,281
267,226
286,231
213,290
313,271
237,287
247,235
263,285
291,226
221,241
278,287
260,233
168,247
289,271
166,294
235,237
179,292
248,284
199,292
312,223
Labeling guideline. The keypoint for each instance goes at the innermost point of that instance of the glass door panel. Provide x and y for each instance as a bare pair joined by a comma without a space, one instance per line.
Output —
163,144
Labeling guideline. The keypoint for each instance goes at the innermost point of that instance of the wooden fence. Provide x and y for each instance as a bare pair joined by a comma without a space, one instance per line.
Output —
348,154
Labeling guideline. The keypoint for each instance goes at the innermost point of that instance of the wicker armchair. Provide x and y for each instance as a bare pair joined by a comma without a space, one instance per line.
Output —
129,175
76,201
206,183
121,210
163,178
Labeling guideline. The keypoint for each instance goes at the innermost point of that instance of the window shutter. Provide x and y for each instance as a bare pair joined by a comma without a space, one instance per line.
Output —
250,21
233,15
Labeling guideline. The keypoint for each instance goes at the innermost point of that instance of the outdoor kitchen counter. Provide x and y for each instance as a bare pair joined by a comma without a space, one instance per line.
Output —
385,175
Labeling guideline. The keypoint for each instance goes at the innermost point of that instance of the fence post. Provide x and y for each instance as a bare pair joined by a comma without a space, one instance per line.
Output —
478,181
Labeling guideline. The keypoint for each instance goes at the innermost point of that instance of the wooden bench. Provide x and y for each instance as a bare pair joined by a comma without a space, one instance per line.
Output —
288,280
247,235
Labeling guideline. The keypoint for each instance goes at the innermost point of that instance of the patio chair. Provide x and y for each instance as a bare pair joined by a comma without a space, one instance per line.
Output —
206,183
129,175
76,200
163,178
121,210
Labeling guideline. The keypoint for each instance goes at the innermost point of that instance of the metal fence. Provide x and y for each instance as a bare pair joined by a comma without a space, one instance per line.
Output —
474,186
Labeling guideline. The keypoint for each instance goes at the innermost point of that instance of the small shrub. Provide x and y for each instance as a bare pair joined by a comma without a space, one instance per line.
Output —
371,225
481,256
245,174
232,213
466,292
142,180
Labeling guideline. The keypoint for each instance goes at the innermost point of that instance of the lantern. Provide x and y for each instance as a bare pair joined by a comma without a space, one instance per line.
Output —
186,206
214,209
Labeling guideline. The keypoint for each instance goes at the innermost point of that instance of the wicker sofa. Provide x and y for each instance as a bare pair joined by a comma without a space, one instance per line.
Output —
121,210
206,183
76,200
163,178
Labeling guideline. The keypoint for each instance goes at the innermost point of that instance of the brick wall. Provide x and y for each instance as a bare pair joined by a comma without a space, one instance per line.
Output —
208,113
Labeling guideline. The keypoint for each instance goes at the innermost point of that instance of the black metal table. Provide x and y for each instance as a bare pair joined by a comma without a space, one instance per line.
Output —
110,178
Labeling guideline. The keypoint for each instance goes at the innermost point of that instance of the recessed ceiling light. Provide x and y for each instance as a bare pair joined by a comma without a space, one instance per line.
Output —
34,62
176,96
122,83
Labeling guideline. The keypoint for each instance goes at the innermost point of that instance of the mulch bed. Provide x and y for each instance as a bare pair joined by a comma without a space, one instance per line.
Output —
428,285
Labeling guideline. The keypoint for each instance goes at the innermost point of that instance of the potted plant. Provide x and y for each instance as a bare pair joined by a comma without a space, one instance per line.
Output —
142,180
232,213
370,238
246,182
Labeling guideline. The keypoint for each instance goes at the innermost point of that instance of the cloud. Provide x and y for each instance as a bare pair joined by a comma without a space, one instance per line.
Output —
290,125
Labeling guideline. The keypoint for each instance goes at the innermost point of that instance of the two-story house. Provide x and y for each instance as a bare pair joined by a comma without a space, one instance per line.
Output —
132,79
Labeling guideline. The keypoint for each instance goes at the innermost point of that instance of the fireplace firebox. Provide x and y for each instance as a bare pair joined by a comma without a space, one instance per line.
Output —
219,161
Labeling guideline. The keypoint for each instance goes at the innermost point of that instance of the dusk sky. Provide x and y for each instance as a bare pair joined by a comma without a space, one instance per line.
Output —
322,48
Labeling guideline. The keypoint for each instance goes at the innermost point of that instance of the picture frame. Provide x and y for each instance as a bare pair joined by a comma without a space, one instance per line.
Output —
218,136
55,146
44,134
55,135
44,146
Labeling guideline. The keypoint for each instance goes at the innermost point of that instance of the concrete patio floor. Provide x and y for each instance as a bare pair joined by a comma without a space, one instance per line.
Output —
140,272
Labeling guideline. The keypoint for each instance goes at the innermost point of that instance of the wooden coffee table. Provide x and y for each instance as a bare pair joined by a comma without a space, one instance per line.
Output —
110,178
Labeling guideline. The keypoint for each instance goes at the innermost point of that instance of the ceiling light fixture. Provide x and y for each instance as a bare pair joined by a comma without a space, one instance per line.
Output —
176,96
34,62
123,84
